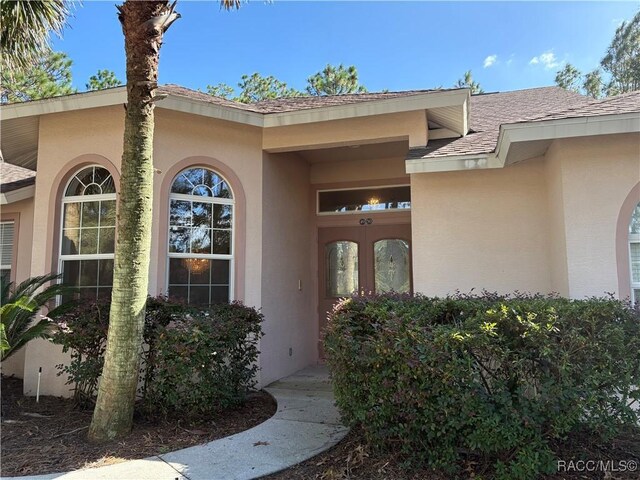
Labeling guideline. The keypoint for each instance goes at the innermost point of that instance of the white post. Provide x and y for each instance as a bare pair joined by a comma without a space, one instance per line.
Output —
38,389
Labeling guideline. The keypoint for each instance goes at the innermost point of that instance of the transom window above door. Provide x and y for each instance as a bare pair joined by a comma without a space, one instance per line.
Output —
368,199
200,237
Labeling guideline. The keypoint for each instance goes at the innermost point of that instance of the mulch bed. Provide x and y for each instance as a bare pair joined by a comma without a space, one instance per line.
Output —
50,436
351,459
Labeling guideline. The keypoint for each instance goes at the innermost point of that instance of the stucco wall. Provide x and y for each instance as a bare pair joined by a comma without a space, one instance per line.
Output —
69,140
358,170
22,214
598,173
480,229
287,287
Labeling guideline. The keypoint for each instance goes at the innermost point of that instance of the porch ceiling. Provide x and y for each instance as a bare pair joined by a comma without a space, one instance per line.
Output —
19,141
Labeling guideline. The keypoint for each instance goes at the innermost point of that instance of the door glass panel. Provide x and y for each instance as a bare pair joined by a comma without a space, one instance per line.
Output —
391,266
341,264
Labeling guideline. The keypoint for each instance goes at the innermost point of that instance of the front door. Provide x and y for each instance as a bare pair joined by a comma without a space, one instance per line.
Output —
364,258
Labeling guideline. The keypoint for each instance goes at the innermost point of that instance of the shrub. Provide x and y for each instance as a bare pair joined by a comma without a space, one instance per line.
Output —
204,361
82,331
194,361
503,378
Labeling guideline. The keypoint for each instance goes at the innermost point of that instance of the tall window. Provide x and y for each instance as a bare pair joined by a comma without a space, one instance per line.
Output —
88,232
634,254
200,237
6,251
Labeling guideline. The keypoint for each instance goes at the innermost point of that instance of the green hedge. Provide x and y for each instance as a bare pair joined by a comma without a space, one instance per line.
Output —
441,379
194,361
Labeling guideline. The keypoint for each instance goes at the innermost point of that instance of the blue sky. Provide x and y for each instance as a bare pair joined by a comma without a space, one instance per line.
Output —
394,45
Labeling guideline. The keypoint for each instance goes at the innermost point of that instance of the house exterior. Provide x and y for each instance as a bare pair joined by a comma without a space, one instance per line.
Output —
289,204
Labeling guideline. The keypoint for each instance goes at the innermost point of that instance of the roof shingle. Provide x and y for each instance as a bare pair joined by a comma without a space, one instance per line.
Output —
13,177
488,111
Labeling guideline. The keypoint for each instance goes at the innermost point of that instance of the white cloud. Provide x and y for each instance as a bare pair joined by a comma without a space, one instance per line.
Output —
490,60
547,59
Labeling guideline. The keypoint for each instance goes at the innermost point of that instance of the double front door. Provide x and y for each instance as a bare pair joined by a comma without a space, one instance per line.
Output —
363,258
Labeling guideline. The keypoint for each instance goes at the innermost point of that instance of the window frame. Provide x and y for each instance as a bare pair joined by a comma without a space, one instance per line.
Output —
10,219
64,200
231,256
633,238
358,212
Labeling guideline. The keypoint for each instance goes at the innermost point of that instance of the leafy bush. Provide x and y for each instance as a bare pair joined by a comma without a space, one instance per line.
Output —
194,361
488,376
82,331
204,361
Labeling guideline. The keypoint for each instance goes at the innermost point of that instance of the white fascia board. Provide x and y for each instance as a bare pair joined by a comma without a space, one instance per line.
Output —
17,195
100,98
453,163
204,109
421,101
564,128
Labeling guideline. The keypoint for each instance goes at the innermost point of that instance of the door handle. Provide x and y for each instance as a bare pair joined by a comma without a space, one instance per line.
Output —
369,221
362,221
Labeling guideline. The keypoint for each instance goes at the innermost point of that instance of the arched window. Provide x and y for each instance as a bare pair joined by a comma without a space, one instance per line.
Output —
200,237
634,254
88,231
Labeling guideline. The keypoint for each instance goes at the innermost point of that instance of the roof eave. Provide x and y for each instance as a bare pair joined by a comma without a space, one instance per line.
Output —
17,195
420,101
513,133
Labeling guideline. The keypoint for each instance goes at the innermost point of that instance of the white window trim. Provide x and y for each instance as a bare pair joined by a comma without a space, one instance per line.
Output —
634,238
214,256
81,199
358,212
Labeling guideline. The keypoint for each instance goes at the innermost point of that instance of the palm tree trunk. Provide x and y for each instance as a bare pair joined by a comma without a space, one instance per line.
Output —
143,28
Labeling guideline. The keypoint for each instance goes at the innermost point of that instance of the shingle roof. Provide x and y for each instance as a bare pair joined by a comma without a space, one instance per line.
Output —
290,104
625,103
488,111
13,177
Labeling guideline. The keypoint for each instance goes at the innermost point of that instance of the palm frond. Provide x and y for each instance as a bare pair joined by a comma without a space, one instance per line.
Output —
26,26
230,4
21,304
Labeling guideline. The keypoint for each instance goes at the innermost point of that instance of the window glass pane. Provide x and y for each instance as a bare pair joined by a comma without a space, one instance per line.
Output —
179,293
89,241
221,242
636,295
201,214
74,188
341,264
105,272
5,276
222,216
178,271
179,240
201,240
108,213
199,295
92,189
391,266
200,269
634,225
70,241
194,177
220,272
219,294
72,215
90,214
71,272
635,262
202,191
180,214
366,199
103,178
107,240
88,273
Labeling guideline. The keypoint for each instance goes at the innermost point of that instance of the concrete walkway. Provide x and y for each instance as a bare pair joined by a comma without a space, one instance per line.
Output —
305,424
